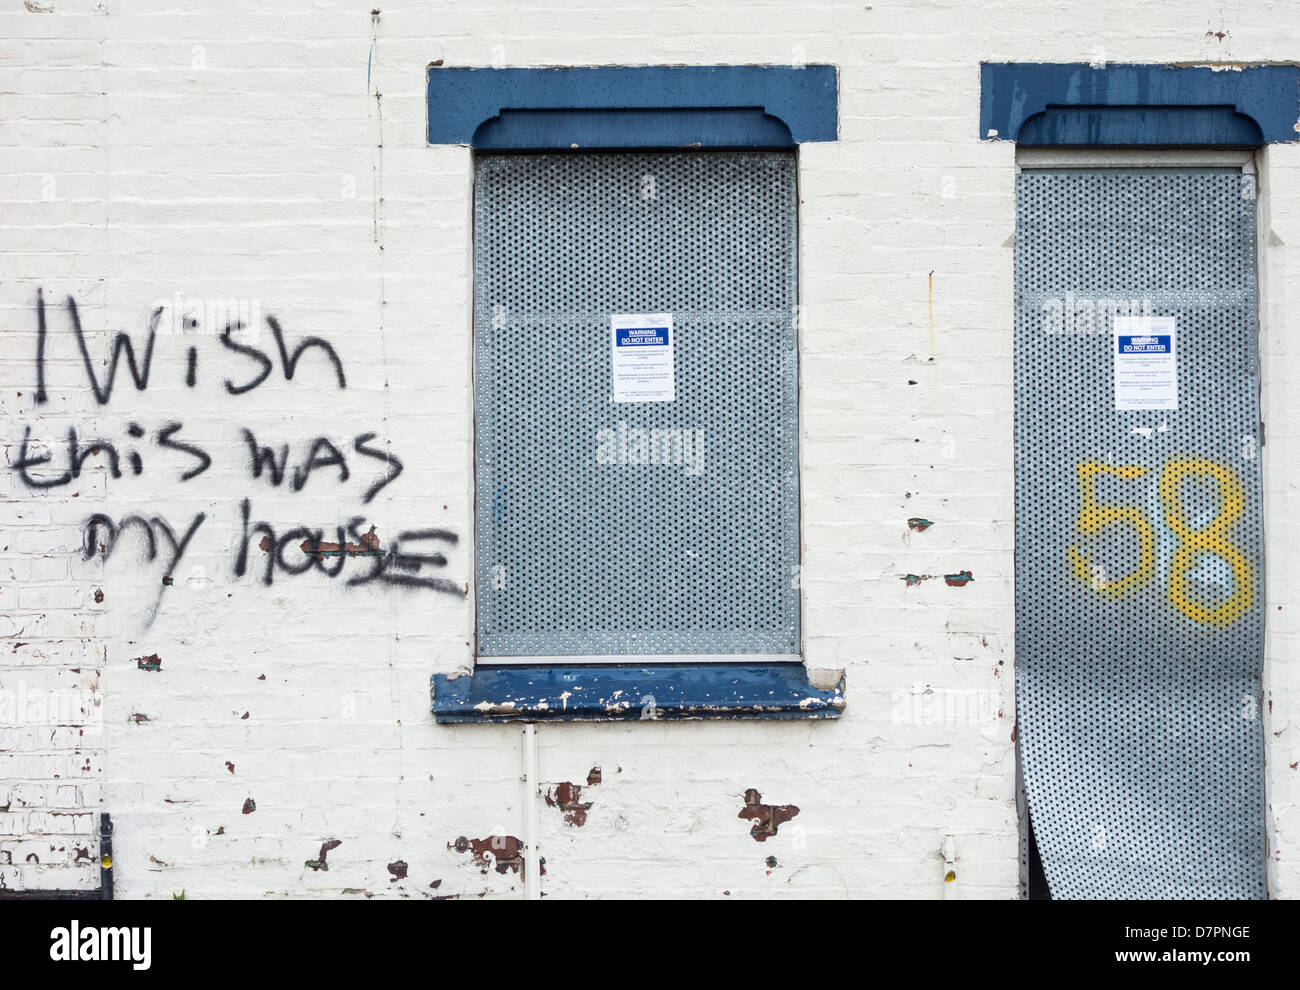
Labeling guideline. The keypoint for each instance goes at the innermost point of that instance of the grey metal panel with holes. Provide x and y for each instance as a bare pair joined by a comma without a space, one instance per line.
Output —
1140,617
579,558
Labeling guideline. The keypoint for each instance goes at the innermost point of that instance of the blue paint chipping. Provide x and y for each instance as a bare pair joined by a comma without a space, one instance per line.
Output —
1075,104
709,106
628,692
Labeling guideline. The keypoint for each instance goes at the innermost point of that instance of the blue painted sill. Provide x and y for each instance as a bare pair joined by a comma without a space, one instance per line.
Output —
623,692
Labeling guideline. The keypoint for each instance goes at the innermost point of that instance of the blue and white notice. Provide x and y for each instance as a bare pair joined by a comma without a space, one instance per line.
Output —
641,348
1146,362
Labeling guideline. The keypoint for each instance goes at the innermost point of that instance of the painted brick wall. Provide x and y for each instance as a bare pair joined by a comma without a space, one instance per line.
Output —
258,737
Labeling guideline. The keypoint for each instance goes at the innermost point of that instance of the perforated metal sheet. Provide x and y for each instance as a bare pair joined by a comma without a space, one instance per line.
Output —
580,557
1139,619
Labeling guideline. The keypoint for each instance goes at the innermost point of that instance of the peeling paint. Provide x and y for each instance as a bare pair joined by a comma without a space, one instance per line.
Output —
152,662
319,863
368,547
600,693
593,778
249,806
918,524
505,852
767,818
958,580
434,885
565,796
398,870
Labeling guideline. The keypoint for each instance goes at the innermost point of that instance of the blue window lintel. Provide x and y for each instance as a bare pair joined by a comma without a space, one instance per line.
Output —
708,106
1116,103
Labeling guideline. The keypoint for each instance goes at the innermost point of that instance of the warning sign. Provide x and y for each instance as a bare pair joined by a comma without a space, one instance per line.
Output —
641,368
1146,362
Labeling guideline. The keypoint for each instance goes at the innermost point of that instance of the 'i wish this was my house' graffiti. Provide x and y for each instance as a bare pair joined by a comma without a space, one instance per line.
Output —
351,551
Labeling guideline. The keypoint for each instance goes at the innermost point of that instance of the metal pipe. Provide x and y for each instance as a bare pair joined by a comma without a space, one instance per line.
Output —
105,856
949,852
532,819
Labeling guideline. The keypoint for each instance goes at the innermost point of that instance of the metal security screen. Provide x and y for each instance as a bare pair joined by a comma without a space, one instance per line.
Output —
1139,599
636,500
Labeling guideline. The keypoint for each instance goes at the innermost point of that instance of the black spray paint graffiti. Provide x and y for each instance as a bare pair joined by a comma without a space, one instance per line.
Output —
322,453
40,467
139,371
79,450
101,533
316,553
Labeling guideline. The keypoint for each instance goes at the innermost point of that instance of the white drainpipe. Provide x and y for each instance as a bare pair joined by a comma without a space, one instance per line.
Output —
532,820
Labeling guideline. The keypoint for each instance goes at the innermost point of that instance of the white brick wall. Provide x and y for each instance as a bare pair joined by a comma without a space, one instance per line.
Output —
234,154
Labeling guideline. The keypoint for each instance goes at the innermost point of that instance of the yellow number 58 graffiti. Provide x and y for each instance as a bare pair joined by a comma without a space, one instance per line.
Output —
1211,539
